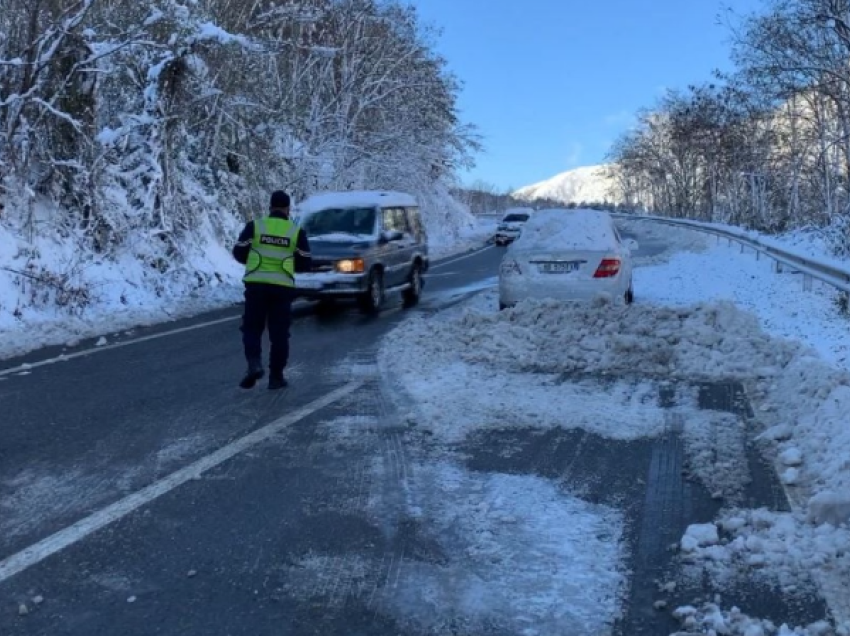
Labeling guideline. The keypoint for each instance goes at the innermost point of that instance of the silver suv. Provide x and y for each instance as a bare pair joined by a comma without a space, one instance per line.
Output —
364,245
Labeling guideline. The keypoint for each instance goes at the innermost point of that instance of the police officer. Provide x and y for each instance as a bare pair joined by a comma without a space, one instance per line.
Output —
273,249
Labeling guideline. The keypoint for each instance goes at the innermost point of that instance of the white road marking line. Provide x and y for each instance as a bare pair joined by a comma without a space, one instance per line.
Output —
116,345
460,258
126,343
57,542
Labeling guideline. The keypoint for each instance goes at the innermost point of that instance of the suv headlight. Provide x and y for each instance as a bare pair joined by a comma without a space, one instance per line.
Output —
350,266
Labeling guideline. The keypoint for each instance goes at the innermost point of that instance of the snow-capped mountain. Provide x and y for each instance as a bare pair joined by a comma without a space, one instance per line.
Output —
588,184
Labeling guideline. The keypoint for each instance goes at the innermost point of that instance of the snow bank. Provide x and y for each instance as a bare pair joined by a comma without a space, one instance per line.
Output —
710,618
568,230
807,404
53,291
811,242
450,225
804,407
773,547
707,341
778,300
660,243
596,366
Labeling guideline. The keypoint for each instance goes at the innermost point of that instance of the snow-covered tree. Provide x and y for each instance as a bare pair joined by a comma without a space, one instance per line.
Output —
151,124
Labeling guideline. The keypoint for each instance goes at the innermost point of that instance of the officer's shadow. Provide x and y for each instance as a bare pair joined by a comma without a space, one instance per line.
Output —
332,311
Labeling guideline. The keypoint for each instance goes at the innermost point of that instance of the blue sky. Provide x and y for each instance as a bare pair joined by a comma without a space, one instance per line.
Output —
551,83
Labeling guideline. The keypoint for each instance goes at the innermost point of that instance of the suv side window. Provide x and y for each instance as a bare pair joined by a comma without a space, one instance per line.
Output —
415,220
395,219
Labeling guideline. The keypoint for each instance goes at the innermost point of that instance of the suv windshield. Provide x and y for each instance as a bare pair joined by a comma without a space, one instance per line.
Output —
515,218
340,221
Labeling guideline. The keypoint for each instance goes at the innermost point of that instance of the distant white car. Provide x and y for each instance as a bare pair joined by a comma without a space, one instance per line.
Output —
510,227
570,255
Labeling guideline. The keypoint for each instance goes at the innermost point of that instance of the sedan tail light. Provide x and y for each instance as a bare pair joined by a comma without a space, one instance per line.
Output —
608,268
510,267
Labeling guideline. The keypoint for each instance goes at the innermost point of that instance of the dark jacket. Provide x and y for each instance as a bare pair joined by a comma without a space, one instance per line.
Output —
303,262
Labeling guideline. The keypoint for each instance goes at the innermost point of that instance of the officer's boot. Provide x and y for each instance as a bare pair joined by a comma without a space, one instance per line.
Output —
277,381
254,373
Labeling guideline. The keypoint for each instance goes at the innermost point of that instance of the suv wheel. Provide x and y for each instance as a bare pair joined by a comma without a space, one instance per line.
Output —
372,301
412,294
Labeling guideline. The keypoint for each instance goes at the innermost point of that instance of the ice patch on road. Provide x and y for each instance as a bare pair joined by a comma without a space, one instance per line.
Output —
42,493
349,427
38,494
506,554
522,557
178,450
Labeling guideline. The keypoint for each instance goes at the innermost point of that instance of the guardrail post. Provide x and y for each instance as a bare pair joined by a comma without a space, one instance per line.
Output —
758,255
742,248
807,282
777,267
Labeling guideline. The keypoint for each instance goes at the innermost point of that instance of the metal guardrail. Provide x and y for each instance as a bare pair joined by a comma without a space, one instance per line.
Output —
811,268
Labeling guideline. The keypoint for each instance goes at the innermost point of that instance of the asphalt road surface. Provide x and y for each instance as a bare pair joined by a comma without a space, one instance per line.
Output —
142,492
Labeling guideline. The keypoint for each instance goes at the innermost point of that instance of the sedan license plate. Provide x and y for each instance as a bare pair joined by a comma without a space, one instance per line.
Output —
559,268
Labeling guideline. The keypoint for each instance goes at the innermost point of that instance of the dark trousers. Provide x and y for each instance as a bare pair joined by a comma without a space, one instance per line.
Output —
267,305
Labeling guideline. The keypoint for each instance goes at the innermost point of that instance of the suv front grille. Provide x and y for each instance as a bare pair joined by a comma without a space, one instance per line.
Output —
322,266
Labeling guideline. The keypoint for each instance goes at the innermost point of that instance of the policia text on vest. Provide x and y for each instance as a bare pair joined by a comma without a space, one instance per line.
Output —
273,249
272,256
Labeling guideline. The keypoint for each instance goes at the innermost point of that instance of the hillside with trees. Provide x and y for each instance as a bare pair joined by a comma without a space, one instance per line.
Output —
766,146
145,133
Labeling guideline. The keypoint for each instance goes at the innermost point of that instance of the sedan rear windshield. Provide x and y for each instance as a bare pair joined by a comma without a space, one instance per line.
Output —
515,218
